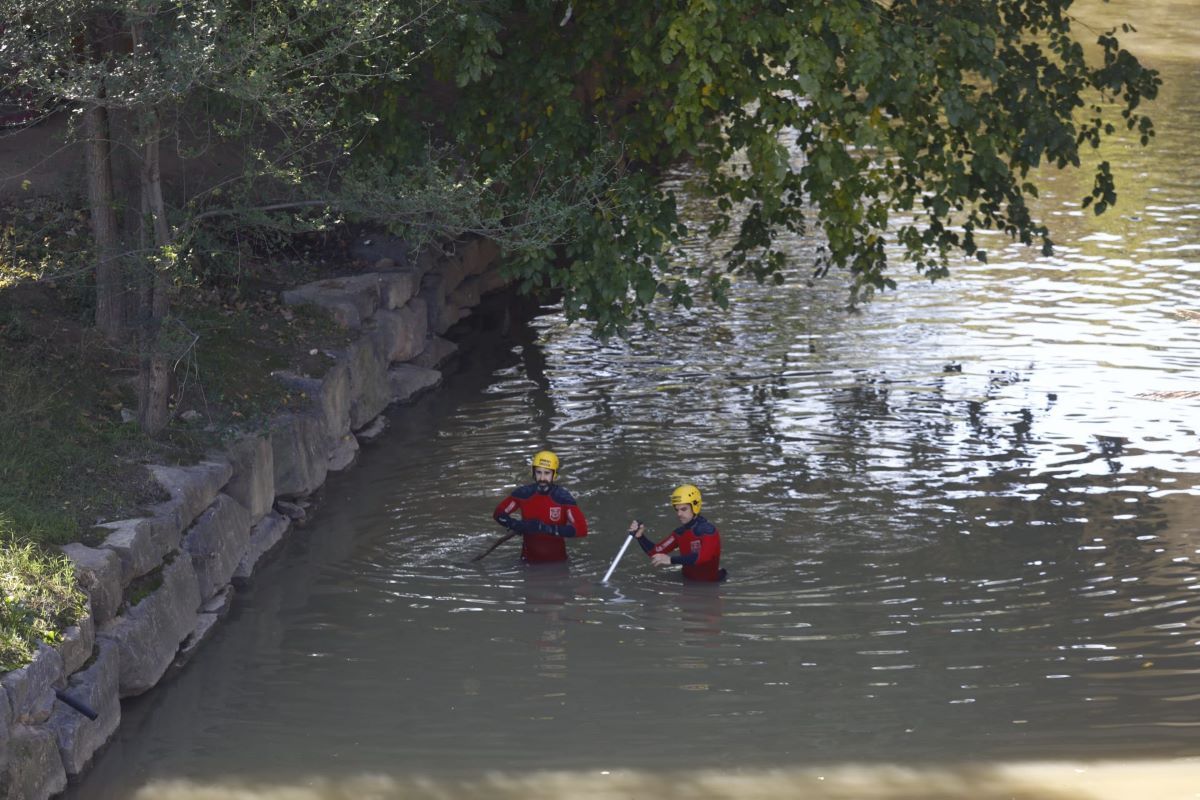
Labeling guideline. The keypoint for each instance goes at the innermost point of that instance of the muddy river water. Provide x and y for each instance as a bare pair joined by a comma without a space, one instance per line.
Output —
964,552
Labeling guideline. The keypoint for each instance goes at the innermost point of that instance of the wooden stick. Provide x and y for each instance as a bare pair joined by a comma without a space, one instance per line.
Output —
498,542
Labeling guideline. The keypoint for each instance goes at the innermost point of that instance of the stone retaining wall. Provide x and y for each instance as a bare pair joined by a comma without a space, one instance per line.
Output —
158,584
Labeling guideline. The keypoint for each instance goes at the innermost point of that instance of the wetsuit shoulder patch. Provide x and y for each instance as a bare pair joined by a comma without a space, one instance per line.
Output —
525,492
704,527
561,496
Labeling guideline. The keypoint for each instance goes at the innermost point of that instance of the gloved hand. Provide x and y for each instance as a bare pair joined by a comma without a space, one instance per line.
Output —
537,526
507,521
520,525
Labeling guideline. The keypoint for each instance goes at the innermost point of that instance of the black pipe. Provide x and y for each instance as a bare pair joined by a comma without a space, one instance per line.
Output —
78,705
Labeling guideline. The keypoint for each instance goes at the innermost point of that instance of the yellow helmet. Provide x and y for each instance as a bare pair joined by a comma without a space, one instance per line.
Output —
686,495
546,460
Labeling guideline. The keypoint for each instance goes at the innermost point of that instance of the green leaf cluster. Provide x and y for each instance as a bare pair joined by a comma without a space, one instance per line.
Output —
892,130
888,129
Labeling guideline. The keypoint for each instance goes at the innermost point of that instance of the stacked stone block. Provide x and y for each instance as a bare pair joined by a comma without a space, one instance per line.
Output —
158,584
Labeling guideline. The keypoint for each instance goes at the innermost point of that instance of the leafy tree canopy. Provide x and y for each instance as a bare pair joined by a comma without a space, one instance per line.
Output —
876,124
889,129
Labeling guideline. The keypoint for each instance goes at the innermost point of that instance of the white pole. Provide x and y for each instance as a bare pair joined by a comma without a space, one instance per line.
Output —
608,574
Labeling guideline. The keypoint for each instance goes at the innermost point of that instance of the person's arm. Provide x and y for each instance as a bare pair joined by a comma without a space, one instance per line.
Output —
576,522
503,512
665,546
658,553
686,560
638,531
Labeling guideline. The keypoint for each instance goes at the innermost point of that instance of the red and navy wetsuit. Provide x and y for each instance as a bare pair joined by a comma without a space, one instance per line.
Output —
547,518
699,544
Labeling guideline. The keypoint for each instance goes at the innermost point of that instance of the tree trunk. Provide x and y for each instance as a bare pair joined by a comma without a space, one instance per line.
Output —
110,288
154,372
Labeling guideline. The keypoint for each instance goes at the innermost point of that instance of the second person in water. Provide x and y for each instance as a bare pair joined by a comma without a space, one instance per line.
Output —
697,539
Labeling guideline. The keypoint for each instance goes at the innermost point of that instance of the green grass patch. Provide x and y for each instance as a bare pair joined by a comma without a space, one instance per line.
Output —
39,599
66,459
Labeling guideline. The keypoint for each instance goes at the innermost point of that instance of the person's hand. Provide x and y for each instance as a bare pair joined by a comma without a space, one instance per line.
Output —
513,524
660,559
636,529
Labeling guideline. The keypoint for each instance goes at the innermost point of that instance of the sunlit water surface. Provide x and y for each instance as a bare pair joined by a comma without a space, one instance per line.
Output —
963,549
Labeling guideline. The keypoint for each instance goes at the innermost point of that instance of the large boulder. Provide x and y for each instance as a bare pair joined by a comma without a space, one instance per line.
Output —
300,442
349,300
492,280
264,537
401,333
148,634
397,288
433,294
467,294
409,381
345,454
253,481
77,644
353,299
206,623
369,392
470,259
455,269
141,544
216,543
192,489
335,398
436,353
373,430
96,687
212,612
35,769
478,256
329,397
488,254
30,689
430,258
99,572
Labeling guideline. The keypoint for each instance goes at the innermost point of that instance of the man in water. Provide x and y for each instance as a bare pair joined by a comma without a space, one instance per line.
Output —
698,540
549,514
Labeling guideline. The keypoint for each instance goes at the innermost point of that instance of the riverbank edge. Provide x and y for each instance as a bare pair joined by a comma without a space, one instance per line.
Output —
158,585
